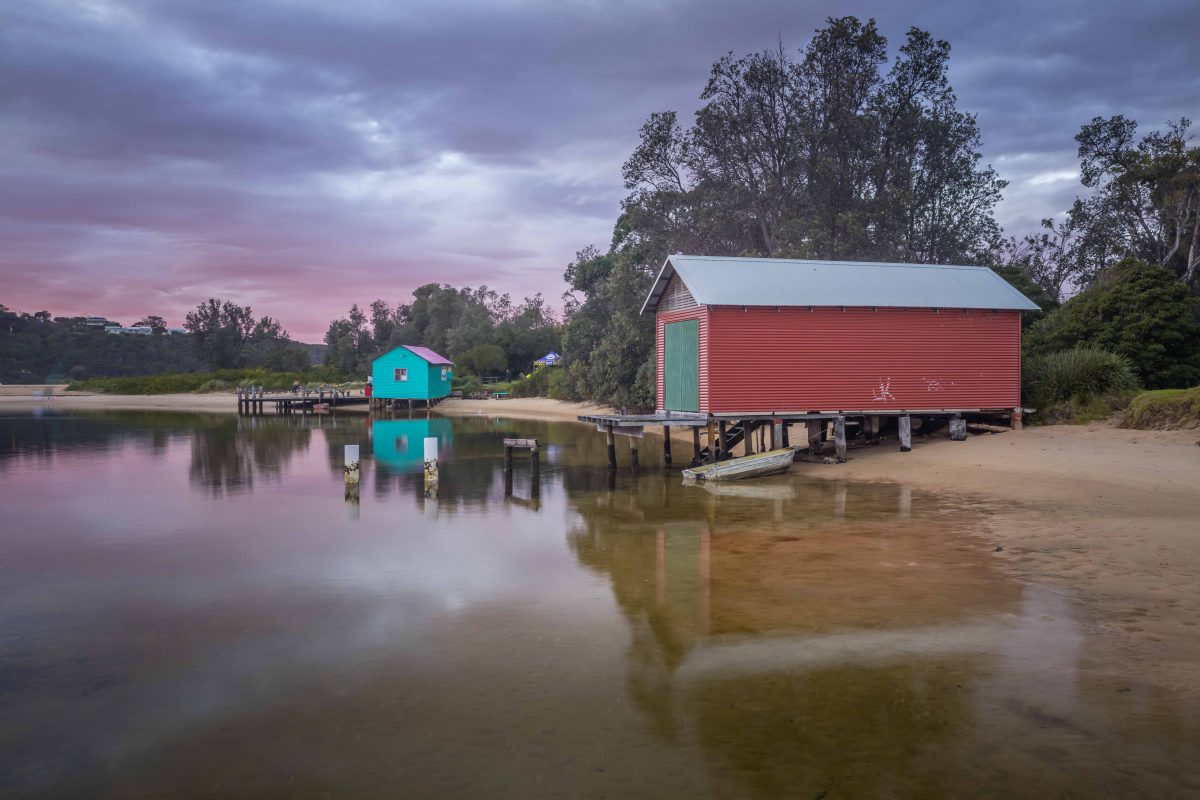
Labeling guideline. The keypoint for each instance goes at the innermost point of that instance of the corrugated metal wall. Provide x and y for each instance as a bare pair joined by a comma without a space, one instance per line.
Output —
793,359
661,319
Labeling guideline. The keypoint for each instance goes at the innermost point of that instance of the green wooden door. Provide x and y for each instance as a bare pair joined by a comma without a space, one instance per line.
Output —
681,365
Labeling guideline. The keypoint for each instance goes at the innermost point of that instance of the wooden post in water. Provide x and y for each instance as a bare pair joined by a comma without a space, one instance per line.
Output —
839,438
905,422
873,429
431,466
633,454
712,442
695,443
350,459
958,429
777,434
722,441
612,448
786,426
667,446
748,437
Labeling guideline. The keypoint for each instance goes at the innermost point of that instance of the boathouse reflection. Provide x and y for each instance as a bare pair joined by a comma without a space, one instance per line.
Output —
839,630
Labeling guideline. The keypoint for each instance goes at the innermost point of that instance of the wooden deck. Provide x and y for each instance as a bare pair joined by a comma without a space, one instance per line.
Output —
252,402
773,429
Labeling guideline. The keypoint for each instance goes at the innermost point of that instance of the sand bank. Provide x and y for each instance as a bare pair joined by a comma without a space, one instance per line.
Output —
22,398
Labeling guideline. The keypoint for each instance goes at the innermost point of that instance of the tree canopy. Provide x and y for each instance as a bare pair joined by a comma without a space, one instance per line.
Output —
481,331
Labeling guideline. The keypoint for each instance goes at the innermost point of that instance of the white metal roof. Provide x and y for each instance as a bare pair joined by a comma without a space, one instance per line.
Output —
728,281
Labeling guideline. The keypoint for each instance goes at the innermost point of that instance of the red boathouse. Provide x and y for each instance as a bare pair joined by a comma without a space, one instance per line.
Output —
781,336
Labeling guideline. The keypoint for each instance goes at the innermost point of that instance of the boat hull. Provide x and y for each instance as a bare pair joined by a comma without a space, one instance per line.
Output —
773,462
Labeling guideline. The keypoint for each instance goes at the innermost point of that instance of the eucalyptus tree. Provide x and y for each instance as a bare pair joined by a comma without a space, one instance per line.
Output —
820,156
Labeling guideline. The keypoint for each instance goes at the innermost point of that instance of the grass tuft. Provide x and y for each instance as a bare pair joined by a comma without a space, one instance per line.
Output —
1164,409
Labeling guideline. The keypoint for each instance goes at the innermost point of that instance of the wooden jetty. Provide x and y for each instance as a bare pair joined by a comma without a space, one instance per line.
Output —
254,401
718,437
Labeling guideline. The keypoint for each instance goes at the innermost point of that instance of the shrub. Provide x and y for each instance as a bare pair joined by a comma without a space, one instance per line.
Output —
536,384
217,380
1136,310
1072,381
1165,409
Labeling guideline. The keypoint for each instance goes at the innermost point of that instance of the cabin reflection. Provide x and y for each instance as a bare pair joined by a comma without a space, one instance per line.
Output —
805,635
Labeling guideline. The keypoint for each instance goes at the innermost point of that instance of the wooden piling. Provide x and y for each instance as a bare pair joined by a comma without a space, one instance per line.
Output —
667,446
839,438
958,429
776,434
813,427
905,422
695,444
612,448
712,442
633,454
748,437
1015,419
722,440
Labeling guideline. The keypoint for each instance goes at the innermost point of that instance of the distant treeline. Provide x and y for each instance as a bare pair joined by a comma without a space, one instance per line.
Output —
41,348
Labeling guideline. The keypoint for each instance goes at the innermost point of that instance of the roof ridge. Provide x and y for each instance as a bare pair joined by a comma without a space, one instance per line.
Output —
782,261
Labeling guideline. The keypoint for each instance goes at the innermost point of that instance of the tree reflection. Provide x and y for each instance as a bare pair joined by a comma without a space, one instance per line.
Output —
227,458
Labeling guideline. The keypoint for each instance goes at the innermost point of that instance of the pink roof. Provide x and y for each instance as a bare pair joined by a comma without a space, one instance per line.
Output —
428,355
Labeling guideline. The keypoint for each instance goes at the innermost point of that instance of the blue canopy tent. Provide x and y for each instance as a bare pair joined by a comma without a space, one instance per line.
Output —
548,360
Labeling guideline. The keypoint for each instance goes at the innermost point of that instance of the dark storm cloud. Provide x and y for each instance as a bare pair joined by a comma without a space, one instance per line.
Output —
301,156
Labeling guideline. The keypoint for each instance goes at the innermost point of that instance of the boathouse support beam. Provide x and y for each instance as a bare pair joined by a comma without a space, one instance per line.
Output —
667,446
839,438
905,424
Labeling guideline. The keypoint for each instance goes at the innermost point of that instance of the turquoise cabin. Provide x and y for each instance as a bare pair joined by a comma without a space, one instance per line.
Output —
399,444
411,373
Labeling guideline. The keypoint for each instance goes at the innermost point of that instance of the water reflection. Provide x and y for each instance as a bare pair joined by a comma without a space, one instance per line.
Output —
197,606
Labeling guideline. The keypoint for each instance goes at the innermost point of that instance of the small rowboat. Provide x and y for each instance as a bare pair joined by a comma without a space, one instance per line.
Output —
772,462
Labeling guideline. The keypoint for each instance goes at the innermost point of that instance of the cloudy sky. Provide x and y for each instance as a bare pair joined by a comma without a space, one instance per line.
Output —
300,156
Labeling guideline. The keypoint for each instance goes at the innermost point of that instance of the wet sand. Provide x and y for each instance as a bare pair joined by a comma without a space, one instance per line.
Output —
1109,516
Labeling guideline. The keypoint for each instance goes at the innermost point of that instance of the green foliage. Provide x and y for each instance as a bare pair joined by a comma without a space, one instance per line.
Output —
40,350
217,380
824,155
1164,409
219,330
1143,202
544,381
608,346
482,359
1077,379
1138,311
1021,282
468,325
37,349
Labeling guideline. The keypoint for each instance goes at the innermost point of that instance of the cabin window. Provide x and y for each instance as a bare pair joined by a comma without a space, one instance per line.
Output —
444,373
401,374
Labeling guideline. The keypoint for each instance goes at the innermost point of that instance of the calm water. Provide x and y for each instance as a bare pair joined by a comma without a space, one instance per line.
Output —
191,606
